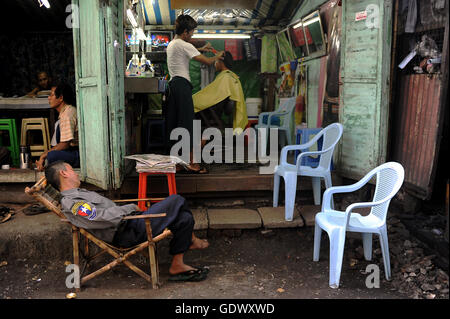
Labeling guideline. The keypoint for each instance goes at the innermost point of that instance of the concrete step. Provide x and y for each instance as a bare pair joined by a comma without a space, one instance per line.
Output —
273,217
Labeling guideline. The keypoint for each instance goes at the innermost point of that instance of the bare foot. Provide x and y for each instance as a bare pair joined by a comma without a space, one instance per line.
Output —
198,243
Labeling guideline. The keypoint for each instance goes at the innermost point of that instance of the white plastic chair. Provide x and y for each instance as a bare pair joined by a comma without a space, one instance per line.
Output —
285,113
331,135
389,179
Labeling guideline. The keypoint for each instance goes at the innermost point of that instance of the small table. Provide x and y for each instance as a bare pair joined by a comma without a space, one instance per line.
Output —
23,103
29,104
142,192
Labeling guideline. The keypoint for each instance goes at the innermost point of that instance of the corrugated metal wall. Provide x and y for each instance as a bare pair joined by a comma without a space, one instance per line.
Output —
416,134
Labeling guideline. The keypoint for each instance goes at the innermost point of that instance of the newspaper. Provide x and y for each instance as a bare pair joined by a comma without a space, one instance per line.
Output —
156,163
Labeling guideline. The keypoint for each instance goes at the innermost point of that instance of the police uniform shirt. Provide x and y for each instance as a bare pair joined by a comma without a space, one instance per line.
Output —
93,212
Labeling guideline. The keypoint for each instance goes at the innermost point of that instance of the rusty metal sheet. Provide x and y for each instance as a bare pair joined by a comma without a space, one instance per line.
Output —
416,130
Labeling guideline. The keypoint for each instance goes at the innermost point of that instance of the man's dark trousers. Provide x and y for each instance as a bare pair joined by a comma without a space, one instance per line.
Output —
178,219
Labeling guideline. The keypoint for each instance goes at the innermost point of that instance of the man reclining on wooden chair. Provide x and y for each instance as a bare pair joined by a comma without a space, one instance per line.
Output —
103,218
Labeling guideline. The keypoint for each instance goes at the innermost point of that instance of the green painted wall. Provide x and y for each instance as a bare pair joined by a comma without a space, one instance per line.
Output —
365,74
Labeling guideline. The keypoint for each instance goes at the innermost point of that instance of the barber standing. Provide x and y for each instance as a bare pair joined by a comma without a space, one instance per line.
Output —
180,108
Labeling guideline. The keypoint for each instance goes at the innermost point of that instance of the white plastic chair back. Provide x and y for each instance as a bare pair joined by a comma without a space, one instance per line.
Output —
288,106
331,135
286,120
389,180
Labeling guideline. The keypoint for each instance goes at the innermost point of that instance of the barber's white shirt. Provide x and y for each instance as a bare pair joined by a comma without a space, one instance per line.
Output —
179,53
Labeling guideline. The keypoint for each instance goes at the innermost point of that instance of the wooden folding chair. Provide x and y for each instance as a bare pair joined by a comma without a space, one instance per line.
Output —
50,198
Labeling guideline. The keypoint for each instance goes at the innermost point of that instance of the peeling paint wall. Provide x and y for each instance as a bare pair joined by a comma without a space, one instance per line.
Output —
365,63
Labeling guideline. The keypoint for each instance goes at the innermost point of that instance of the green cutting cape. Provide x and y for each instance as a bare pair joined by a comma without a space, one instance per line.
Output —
226,84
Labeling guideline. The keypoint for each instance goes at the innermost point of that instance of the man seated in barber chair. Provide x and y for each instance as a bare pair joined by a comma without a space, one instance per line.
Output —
223,95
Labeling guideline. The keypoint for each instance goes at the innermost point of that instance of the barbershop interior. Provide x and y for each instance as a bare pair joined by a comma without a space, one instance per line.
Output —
287,56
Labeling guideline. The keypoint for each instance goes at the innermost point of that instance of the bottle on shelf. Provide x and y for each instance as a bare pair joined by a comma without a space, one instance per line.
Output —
148,43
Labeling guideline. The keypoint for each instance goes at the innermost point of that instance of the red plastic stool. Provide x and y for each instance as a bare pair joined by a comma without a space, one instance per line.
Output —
249,125
142,192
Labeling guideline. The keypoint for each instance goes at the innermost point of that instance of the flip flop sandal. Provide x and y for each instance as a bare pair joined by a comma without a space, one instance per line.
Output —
190,275
201,170
6,218
202,269
35,209
4,210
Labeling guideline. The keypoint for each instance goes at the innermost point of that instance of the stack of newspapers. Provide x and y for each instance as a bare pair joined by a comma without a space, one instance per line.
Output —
156,163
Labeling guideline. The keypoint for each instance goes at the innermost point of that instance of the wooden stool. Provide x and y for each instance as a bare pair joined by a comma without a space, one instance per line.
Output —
40,124
9,125
142,192
155,140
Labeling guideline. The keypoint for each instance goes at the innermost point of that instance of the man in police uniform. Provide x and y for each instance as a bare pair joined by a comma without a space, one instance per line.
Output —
103,218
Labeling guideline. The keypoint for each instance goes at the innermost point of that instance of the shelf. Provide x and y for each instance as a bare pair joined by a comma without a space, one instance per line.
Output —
141,85
154,56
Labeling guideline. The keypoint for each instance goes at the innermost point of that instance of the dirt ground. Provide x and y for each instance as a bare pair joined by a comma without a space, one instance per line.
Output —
249,264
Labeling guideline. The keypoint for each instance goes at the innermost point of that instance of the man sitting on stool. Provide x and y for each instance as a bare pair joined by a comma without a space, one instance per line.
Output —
65,139
103,218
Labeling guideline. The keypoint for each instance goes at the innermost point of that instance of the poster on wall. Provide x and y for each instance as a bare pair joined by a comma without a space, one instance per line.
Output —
331,97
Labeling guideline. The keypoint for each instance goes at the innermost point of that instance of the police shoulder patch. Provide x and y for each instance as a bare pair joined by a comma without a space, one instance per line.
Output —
84,209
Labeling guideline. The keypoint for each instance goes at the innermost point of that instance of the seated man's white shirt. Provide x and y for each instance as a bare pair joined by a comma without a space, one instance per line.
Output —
53,142
179,53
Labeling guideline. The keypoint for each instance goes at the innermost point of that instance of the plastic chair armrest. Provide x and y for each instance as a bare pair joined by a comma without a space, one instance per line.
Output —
353,206
260,117
299,158
328,194
286,149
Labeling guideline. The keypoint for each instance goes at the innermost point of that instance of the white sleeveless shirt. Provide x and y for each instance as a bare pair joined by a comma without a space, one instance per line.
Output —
179,53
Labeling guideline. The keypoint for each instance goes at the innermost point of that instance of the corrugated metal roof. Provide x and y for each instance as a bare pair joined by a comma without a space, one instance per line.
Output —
266,13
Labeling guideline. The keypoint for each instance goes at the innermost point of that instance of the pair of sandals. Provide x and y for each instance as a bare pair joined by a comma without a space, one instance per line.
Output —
198,274
5,214
183,169
35,209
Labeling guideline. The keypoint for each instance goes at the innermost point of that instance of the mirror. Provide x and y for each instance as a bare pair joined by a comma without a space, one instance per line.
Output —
307,38
312,28
298,40
284,46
